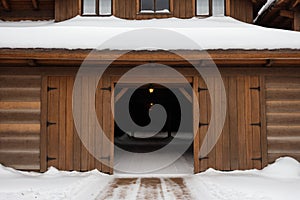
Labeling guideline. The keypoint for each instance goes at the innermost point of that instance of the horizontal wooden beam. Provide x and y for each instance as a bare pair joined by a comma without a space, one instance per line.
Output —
220,57
5,5
287,13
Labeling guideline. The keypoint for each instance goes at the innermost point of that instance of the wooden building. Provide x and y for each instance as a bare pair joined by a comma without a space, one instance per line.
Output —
36,122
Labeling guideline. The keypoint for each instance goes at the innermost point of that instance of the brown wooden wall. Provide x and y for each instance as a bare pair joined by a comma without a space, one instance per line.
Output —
129,10
66,9
283,116
239,146
240,9
64,147
20,121
25,10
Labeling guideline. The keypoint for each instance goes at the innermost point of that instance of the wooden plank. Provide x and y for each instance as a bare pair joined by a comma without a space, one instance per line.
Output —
52,131
106,126
112,129
19,130
283,118
20,105
20,116
43,124
273,156
99,112
241,122
256,130
20,94
91,123
25,144
211,140
196,130
69,124
264,131
62,123
233,121
296,24
84,122
182,10
292,106
77,145
248,120
278,130
282,82
283,94
282,146
27,160
20,81
226,132
219,144
5,5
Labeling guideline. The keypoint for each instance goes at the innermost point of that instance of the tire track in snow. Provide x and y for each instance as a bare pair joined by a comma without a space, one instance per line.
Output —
177,188
150,188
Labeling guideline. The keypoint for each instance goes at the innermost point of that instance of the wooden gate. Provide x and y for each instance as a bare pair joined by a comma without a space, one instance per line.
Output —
64,147
239,146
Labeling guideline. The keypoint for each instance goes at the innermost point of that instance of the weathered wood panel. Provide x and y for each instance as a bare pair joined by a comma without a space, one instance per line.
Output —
241,10
239,146
66,9
20,121
66,148
24,10
283,116
129,9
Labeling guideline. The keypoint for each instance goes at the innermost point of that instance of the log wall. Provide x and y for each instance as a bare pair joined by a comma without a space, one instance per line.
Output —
20,121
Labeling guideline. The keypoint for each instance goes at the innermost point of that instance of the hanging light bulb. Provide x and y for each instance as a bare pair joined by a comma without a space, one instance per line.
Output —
151,89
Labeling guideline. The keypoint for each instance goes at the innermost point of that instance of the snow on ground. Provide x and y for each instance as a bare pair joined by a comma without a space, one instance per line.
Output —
280,180
169,34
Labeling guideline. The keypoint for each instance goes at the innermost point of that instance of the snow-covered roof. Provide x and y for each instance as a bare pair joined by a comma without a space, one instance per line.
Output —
169,34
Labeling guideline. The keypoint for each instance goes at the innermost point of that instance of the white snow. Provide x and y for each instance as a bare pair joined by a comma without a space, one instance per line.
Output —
265,7
169,34
280,180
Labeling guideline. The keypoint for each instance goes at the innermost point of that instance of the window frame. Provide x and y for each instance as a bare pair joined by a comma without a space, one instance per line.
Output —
139,11
210,9
97,3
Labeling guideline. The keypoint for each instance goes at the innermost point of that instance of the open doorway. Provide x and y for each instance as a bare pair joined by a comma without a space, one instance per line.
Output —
141,102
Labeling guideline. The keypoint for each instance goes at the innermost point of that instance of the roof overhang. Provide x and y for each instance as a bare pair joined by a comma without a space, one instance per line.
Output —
48,57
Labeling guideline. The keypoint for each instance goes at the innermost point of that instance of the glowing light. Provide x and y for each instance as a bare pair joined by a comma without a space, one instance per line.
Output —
151,89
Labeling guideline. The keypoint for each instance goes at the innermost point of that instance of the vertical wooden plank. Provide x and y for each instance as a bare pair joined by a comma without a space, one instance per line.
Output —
219,145
189,8
44,113
241,122
106,125
62,123
91,123
249,136
297,20
256,119
112,127
233,121
76,140
228,7
182,8
210,104
84,123
69,124
226,131
176,8
203,118
196,125
263,129
53,112
99,112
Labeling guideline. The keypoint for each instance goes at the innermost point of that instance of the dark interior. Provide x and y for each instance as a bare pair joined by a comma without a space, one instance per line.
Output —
140,103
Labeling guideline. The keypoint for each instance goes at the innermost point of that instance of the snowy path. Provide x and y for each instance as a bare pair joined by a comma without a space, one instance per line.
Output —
146,188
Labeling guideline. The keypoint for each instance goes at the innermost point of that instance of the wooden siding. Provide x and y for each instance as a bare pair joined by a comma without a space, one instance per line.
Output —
64,147
129,9
24,10
20,121
239,146
66,9
240,9
283,116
